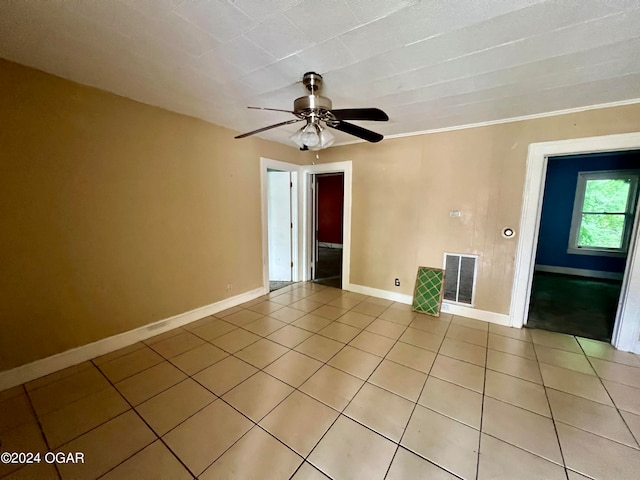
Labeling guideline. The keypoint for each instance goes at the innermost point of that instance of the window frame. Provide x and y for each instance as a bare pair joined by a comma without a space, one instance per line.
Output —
629,214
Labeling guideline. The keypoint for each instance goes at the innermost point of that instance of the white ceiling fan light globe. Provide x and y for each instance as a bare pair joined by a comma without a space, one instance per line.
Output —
310,135
297,138
326,139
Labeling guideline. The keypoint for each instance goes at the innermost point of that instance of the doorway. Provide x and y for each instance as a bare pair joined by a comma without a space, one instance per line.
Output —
307,212
626,329
280,228
280,210
328,219
587,217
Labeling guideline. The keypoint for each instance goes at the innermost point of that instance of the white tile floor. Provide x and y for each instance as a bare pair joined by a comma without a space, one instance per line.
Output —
311,382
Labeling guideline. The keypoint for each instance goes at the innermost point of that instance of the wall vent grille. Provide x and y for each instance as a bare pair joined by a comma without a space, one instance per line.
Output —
460,278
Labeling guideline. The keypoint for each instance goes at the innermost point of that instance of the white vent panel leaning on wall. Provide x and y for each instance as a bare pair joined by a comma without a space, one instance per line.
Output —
460,278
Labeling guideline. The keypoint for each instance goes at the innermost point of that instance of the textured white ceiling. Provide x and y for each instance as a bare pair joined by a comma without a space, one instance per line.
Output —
429,64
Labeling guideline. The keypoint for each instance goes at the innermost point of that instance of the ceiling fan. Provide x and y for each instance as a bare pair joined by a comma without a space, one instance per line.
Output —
317,112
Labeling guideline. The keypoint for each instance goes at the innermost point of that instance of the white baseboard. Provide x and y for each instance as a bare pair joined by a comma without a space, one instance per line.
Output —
45,366
492,317
580,272
469,312
376,292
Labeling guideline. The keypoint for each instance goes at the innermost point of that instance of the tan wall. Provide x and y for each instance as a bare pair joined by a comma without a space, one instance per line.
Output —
116,214
403,190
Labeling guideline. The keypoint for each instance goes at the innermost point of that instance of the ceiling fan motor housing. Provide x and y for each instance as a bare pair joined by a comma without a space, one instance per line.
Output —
311,102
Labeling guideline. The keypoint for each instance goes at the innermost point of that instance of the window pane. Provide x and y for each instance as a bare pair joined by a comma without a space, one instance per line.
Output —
607,195
603,231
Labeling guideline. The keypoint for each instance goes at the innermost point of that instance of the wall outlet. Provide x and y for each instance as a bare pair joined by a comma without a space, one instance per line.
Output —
397,282
229,287
444,307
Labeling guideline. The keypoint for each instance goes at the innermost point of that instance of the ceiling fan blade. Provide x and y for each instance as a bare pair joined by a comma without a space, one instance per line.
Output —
357,131
269,127
272,109
371,114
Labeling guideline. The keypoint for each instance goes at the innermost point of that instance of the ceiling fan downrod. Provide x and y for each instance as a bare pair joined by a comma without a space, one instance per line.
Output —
313,81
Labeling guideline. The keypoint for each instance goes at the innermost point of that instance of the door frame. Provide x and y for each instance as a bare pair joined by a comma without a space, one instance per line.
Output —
627,325
306,174
265,164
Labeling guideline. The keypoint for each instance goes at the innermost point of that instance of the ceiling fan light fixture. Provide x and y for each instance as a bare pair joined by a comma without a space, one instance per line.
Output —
297,138
319,114
326,139
313,136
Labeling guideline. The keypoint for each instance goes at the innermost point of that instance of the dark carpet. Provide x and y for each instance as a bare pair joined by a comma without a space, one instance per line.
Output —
329,267
575,305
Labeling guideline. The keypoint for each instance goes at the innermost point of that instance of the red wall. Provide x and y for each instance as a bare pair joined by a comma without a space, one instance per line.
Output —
330,207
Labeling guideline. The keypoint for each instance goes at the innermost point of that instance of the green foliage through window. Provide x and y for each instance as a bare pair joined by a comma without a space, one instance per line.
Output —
604,213
604,231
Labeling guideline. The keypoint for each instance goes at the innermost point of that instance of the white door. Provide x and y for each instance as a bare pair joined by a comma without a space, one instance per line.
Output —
279,225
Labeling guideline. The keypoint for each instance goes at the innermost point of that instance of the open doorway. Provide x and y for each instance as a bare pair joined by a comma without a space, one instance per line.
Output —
626,331
280,228
588,212
328,235
308,202
280,211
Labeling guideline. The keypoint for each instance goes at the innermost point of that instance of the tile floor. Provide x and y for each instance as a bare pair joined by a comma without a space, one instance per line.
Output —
311,382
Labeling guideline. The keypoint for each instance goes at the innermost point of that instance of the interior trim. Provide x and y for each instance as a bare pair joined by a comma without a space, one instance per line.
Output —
626,333
307,171
294,169
463,311
522,118
45,366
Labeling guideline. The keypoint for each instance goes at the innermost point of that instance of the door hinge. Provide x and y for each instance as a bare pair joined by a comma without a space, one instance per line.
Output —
291,226
291,264
290,184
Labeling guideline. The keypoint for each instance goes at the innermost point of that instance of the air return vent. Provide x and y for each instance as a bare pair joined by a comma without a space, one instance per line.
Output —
460,278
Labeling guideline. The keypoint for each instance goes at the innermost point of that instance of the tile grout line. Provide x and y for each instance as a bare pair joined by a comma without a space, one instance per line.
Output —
484,396
256,424
615,406
415,406
553,420
165,359
340,413
158,437
44,437
526,410
551,417
325,363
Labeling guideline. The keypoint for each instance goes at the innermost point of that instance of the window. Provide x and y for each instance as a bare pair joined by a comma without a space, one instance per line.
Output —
603,212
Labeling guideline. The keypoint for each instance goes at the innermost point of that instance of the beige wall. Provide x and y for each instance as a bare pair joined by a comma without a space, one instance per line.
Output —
116,214
403,190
